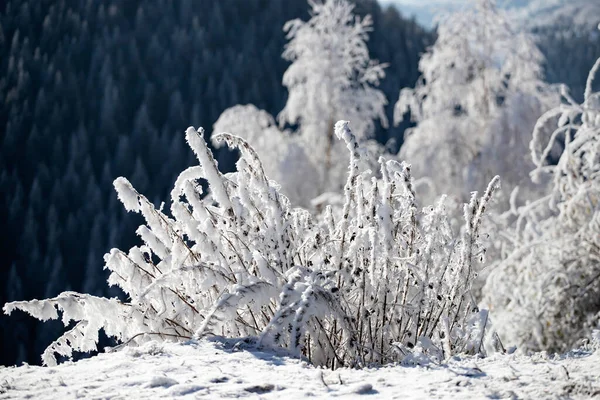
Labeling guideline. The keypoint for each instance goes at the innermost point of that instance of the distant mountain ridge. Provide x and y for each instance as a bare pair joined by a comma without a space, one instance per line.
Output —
562,13
533,13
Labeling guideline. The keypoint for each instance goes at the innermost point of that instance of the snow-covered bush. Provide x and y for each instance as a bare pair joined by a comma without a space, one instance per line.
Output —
331,77
476,103
369,286
545,292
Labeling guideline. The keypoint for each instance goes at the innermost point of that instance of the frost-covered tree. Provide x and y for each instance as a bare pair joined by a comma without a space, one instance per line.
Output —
545,292
369,286
476,102
331,77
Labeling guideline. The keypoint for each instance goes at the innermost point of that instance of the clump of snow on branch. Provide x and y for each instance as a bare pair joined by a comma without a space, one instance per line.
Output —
331,77
546,288
475,104
381,282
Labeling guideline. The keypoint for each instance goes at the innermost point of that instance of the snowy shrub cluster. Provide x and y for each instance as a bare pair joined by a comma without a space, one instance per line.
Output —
545,292
384,281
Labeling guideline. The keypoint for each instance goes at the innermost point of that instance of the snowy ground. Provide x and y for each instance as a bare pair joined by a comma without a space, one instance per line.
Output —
216,369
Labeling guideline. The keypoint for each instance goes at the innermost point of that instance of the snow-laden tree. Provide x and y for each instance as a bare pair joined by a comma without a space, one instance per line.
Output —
545,292
369,286
477,100
331,77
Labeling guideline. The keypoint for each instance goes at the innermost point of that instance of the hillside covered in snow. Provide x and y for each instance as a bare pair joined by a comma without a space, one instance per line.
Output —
219,368
530,13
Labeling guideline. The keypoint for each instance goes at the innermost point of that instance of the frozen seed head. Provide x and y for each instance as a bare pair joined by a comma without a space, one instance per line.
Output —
127,194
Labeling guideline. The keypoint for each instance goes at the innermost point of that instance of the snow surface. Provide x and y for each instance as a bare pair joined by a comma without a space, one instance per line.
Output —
221,368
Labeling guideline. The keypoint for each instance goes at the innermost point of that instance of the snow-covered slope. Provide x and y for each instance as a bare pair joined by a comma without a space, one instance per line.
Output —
565,13
531,13
220,369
